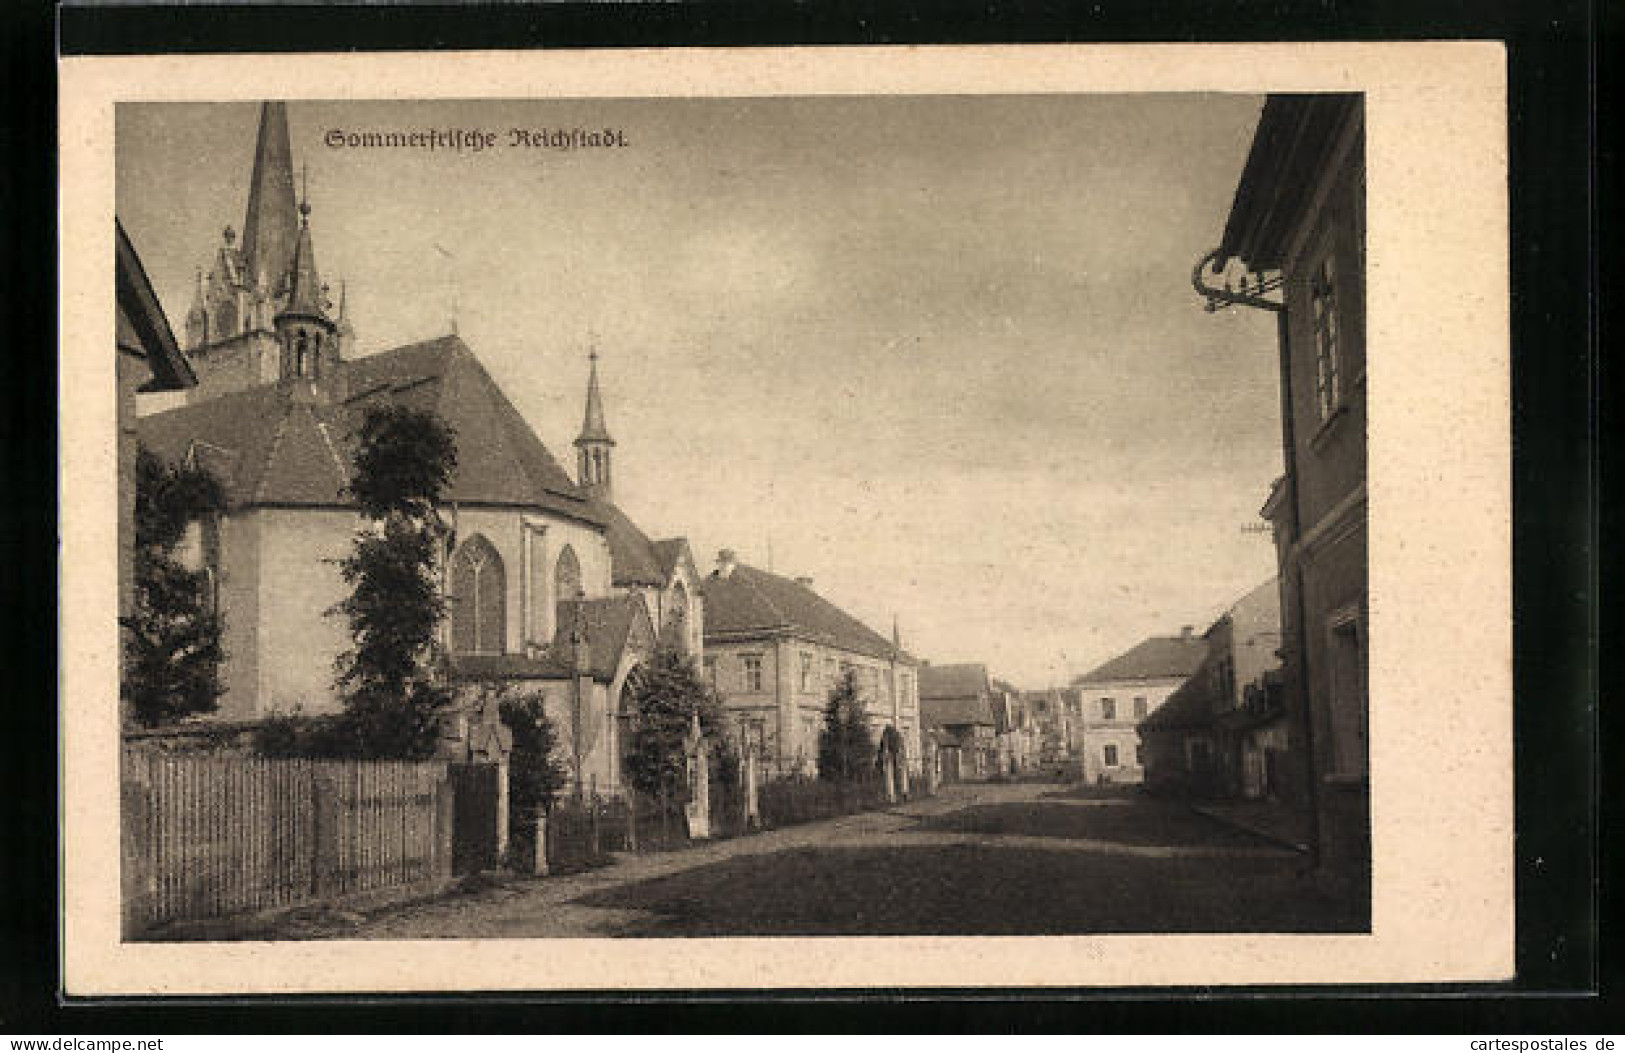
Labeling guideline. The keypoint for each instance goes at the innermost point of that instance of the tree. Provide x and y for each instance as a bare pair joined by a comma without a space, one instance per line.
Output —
392,692
535,775
666,692
845,748
172,650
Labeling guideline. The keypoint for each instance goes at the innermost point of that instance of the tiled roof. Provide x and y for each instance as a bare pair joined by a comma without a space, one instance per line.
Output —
633,558
1156,658
749,599
965,680
954,712
280,452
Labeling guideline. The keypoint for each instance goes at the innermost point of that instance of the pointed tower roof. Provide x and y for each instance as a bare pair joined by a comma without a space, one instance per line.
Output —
305,294
593,428
271,228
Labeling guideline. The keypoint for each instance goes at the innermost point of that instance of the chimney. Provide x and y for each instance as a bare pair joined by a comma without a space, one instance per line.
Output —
725,562
1186,631
805,582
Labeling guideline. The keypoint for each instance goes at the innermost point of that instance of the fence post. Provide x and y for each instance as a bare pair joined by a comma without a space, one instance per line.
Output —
539,864
139,871
594,806
444,819
502,812
631,820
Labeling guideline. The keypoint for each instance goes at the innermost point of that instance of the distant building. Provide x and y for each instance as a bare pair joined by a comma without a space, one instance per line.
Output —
1296,230
956,703
1017,730
1222,733
1054,713
1115,696
775,649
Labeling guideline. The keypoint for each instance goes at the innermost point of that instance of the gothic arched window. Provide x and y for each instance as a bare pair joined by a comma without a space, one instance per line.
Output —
479,599
566,575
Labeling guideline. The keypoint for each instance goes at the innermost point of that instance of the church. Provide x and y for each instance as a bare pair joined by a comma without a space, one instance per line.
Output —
549,584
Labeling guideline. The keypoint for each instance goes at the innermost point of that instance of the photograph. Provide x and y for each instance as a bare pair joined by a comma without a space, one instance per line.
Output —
964,532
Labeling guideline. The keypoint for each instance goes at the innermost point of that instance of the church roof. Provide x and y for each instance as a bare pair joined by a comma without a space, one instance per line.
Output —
633,558
1155,658
612,624
750,600
669,552
306,295
271,450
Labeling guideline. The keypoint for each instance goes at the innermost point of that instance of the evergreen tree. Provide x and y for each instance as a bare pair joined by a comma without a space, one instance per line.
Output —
392,693
535,775
666,693
172,650
846,750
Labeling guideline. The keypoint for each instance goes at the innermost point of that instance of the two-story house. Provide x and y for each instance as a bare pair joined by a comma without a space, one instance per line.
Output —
1117,695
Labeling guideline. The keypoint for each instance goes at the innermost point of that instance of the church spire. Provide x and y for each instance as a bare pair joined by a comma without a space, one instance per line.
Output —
593,445
309,338
271,228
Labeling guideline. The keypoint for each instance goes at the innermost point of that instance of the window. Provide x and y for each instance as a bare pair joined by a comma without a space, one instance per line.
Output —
1109,755
1323,311
1140,707
753,672
1139,756
807,670
478,599
566,575
829,671
1108,709
711,671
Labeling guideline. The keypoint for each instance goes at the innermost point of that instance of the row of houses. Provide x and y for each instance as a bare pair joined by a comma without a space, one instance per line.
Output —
549,583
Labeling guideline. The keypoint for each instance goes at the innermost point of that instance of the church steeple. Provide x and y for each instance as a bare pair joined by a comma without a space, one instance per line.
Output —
271,227
308,337
593,445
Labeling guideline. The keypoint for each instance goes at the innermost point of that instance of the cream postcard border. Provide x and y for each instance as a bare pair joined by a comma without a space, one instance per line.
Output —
1440,525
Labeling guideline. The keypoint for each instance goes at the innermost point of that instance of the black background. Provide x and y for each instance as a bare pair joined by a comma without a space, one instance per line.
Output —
1554,51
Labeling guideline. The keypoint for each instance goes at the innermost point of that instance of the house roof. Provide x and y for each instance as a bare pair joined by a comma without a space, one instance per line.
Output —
954,712
272,450
143,328
964,680
1295,138
752,600
1155,658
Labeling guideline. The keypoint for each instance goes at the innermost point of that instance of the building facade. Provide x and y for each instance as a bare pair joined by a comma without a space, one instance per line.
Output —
957,704
1117,695
775,649
1216,736
1294,244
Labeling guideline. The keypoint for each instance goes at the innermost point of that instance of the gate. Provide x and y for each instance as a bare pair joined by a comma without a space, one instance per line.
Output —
474,817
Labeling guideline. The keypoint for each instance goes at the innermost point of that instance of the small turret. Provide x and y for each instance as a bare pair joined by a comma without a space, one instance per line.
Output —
593,445
307,336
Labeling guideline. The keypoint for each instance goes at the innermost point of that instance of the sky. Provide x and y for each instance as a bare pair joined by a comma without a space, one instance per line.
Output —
940,354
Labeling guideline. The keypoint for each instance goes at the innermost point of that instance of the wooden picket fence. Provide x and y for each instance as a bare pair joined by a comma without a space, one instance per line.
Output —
209,835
